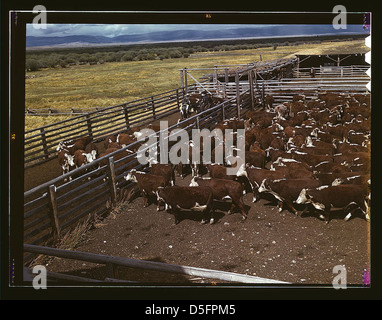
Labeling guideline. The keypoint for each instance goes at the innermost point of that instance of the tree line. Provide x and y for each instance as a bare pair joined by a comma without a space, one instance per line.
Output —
65,57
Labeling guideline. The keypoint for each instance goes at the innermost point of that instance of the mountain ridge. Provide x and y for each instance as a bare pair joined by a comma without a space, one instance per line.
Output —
190,35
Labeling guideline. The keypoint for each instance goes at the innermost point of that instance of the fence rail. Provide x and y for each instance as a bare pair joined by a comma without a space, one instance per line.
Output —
40,143
112,262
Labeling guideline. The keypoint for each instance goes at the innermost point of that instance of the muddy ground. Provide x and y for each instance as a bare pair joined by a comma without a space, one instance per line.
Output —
269,244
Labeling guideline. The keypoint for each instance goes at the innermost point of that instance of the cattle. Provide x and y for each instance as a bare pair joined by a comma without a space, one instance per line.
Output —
185,109
222,188
81,158
336,178
286,191
148,184
124,139
164,170
193,198
268,101
257,175
256,159
348,198
91,148
72,145
66,161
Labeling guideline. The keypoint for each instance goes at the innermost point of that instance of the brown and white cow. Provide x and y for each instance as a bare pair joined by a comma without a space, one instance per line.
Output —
348,198
192,198
148,184
221,189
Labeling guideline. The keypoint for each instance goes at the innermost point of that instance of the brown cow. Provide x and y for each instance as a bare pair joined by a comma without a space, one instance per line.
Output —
194,198
222,188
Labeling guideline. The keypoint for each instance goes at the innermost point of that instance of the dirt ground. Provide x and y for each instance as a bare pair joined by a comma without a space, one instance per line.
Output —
269,244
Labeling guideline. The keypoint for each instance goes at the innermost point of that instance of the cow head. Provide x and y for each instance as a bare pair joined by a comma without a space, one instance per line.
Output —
89,157
303,197
193,182
70,159
264,187
131,176
94,154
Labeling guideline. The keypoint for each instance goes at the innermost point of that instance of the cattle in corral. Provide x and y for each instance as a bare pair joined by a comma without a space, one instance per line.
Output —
268,101
311,159
296,107
109,139
298,97
148,184
338,130
257,175
81,158
296,141
286,191
222,188
194,198
219,171
328,167
356,137
118,162
113,145
164,170
314,142
291,164
335,178
92,149
185,110
289,132
72,145
282,111
66,161
348,198
124,139
277,143
256,159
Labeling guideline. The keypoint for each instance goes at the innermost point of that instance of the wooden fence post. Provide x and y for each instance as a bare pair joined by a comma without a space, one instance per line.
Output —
89,124
126,117
251,90
44,144
237,94
112,181
53,212
153,107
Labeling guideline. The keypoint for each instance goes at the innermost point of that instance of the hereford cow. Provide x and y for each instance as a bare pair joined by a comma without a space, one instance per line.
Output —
222,188
66,161
348,198
194,198
286,191
148,184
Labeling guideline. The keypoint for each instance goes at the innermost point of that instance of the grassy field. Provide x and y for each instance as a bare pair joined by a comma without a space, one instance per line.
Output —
102,85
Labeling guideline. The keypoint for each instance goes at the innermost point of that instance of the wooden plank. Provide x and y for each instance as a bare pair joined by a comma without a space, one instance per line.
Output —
150,265
112,181
53,212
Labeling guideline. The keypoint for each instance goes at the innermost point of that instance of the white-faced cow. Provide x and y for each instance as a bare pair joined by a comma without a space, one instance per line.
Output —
193,198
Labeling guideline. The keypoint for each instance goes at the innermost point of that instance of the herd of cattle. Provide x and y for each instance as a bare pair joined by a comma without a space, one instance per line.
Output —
309,154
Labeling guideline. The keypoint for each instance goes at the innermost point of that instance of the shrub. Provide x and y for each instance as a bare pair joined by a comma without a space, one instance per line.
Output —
32,65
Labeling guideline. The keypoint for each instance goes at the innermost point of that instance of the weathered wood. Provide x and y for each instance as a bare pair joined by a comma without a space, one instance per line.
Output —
53,212
44,144
150,265
112,181
237,94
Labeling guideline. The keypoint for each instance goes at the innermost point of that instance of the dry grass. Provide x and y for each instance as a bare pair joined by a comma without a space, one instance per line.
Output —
90,86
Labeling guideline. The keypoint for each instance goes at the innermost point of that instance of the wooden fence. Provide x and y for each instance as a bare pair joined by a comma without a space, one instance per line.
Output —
40,143
53,207
112,263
